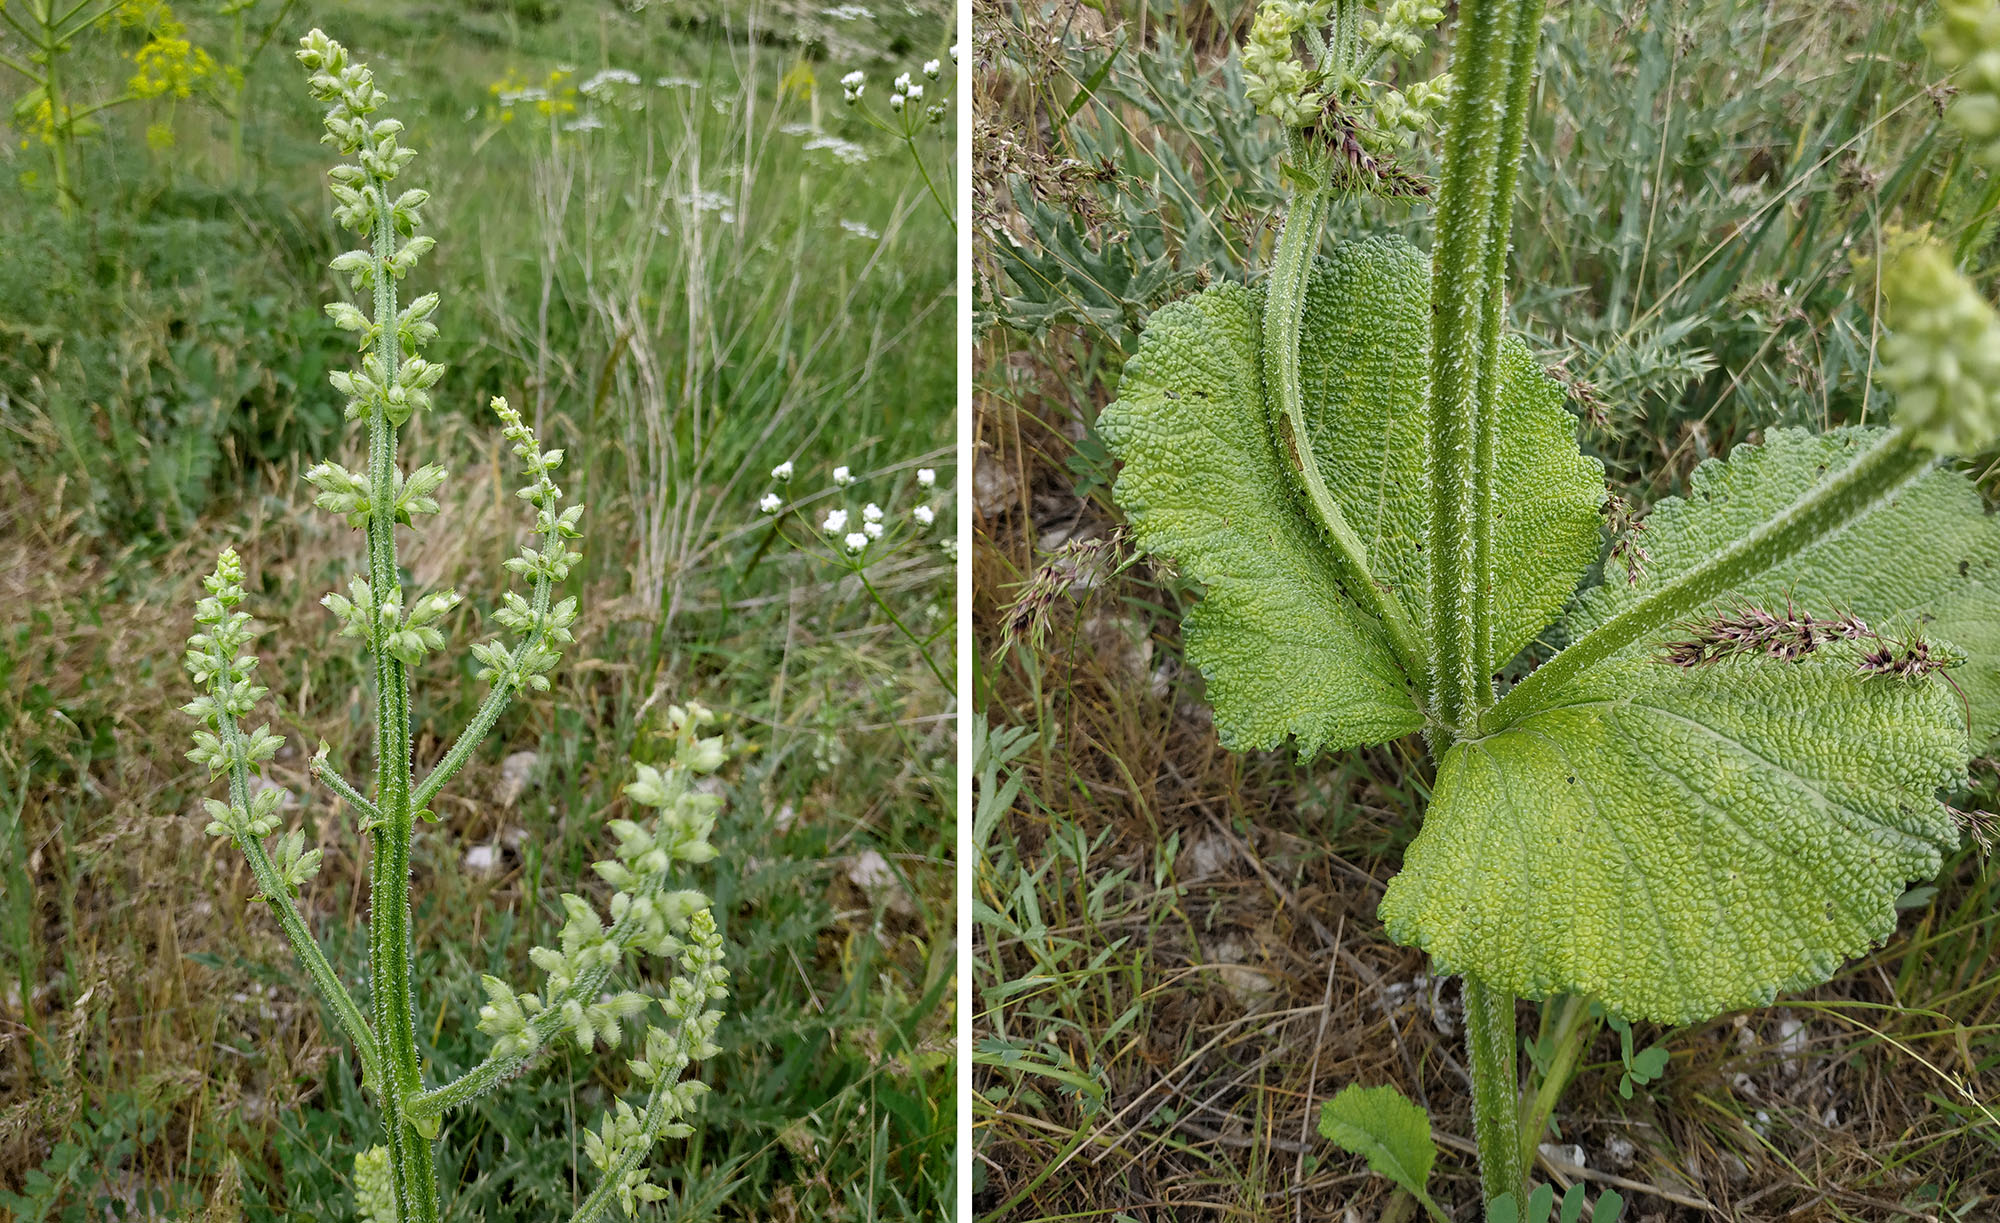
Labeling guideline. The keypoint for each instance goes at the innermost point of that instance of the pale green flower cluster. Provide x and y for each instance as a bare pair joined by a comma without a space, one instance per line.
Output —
218,661
359,190
1402,28
1942,353
405,638
1274,78
1281,84
543,629
1402,114
623,1138
645,916
1967,40
374,1189
349,493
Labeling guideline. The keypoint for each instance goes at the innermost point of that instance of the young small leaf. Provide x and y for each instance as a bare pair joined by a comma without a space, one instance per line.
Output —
1573,1204
1384,1127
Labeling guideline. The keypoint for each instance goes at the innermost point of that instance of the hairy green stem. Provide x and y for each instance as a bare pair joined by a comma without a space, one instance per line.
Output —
1481,51
1284,315
1840,497
1496,1099
501,695
330,778
279,896
1520,69
410,1159
1573,1033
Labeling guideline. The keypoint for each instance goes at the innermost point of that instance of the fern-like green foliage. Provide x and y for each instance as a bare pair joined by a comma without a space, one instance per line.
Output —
1672,840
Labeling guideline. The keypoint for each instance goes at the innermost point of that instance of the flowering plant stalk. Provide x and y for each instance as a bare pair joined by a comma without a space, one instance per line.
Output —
396,1182
858,540
167,66
912,112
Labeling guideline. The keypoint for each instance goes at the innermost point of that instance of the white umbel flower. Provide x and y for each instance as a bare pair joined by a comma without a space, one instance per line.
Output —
872,530
924,515
836,522
771,503
932,68
856,543
782,473
842,477
871,512
926,477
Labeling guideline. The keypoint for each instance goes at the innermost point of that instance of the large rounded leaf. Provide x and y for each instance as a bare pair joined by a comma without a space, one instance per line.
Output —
1285,652
1364,376
1927,562
1678,843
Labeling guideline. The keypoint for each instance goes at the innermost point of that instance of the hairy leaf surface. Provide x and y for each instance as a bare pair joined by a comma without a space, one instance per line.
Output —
1928,561
1364,372
1285,652
1386,1128
1678,843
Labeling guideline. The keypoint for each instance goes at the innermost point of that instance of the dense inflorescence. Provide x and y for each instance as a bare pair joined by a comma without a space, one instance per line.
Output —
393,381
1942,353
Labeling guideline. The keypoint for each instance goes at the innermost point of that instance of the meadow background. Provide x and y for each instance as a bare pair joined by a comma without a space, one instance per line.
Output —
683,279
1176,955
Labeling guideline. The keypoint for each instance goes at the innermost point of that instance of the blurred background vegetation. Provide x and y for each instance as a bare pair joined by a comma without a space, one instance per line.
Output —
1176,954
686,270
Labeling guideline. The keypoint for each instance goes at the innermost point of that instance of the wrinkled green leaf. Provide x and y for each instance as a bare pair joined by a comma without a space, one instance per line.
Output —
1384,1127
1364,377
1284,650
1678,843
1929,561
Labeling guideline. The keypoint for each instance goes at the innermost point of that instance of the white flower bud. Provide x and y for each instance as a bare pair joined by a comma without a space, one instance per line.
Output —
782,473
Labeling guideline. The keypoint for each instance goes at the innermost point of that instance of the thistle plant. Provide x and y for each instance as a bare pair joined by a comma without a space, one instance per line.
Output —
396,1181
1717,788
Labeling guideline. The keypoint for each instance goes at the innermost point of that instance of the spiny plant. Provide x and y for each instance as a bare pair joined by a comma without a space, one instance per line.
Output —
397,1180
1719,784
